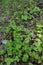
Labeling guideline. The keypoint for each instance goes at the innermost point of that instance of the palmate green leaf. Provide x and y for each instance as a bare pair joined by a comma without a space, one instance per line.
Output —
39,35
9,51
19,28
9,47
35,10
38,48
12,25
25,57
17,36
24,17
9,43
17,53
25,48
1,52
16,59
39,25
38,42
18,46
34,55
27,31
39,31
7,29
9,60
27,39
30,63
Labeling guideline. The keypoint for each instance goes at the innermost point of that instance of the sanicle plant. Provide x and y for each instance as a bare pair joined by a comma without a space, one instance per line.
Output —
18,43
18,46
23,40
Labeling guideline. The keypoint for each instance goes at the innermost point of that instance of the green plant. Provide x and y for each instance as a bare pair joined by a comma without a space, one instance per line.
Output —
16,44
23,41
8,61
1,52
19,44
25,58
30,63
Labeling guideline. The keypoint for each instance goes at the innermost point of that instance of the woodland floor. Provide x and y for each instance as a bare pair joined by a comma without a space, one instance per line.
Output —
5,17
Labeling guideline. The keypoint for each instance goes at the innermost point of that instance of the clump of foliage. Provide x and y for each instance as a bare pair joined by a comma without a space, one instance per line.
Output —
19,46
24,34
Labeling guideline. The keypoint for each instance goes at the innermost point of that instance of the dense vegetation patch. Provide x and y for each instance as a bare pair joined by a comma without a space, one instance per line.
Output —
23,40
